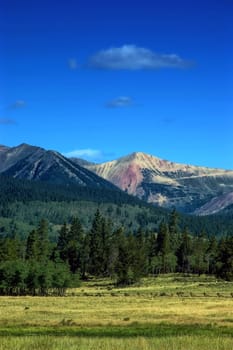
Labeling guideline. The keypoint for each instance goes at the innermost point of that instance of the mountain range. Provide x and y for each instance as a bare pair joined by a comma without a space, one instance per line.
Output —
191,189
35,163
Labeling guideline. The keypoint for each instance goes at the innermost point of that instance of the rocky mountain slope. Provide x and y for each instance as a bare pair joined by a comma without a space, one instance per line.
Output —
35,163
216,205
166,183
190,189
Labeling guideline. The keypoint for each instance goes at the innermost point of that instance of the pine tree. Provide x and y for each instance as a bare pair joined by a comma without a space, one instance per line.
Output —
141,254
31,246
174,230
224,265
43,241
199,261
151,252
75,242
122,265
184,252
62,243
211,255
163,245
96,245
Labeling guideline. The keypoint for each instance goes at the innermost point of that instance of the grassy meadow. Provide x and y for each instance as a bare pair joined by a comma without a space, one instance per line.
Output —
168,312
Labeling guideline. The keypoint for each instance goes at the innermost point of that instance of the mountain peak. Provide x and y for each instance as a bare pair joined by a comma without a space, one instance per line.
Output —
35,163
137,156
163,182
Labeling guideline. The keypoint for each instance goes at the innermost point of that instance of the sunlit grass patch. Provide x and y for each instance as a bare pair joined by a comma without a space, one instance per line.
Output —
160,313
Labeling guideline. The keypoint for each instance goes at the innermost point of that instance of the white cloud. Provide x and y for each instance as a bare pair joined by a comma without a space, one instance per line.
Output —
87,153
132,57
122,101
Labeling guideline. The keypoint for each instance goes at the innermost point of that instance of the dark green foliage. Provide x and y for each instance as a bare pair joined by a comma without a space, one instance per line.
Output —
31,246
211,255
173,226
123,267
15,190
35,274
63,241
184,252
224,264
37,266
199,261
166,260
98,241
75,238
27,202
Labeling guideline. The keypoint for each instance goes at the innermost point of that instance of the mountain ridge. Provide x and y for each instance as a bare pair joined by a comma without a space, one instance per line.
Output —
164,182
35,163
191,189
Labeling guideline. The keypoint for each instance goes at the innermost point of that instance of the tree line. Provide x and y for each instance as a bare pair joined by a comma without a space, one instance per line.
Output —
26,202
37,266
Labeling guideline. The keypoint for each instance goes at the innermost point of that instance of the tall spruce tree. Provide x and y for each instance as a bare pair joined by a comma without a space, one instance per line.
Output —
163,245
43,246
184,252
211,255
224,265
62,243
75,243
174,230
32,246
122,266
96,245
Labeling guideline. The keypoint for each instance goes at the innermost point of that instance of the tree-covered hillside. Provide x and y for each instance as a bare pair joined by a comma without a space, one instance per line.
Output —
37,266
24,203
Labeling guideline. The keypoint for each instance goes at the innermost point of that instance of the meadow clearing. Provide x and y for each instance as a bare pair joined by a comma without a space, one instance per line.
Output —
168,312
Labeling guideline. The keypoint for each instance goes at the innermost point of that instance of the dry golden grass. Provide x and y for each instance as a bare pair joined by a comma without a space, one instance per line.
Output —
115,310
163,313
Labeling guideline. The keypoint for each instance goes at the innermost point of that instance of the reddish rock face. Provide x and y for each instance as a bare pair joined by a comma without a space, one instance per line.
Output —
166,183
129,178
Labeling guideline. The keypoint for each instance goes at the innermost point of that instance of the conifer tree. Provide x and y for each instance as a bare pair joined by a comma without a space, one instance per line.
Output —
96,245
199,261
43,241
31,246
184,252
211,255
62,243
163,245
75,242
174,230
122,266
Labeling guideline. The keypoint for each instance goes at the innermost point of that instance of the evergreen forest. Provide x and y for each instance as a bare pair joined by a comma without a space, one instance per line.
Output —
37,265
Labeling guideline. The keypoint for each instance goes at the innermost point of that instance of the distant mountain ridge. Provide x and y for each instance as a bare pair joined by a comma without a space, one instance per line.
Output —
191,189
167,183
35,163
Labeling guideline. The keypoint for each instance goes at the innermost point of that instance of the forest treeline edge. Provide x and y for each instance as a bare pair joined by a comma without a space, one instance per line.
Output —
38,266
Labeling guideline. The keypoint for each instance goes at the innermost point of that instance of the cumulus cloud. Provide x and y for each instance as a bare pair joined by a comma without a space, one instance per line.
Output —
72,63
132,57
90,154
122,101
87,153
18,104
7,121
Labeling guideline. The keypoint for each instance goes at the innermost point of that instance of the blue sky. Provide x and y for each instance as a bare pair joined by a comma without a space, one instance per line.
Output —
102,79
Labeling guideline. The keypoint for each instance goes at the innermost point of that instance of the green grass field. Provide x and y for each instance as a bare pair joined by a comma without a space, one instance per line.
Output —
169,312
